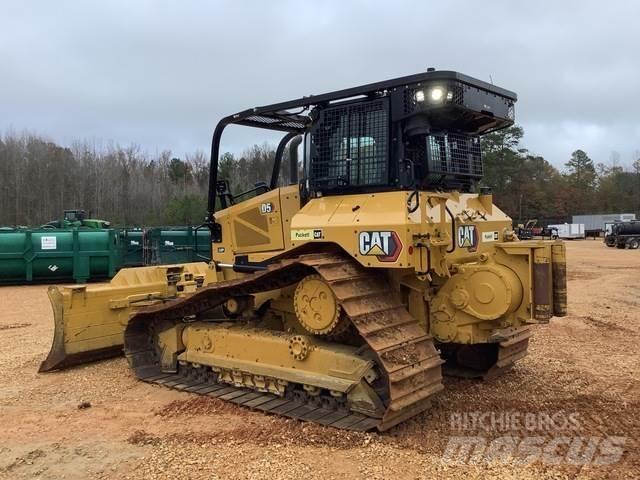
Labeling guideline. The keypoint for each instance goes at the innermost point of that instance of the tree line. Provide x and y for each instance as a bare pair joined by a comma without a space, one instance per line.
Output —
40,179
127,186
527,186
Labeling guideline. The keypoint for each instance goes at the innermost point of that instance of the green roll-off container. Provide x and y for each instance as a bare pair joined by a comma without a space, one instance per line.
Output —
171,245
132,243
46,255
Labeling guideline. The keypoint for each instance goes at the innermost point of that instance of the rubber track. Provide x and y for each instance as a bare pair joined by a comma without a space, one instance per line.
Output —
407,356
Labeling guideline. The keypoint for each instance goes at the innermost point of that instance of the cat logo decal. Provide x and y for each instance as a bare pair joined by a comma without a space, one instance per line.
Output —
467,236
385,245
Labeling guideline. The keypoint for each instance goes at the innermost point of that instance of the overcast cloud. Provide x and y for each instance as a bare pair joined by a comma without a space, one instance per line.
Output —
160,74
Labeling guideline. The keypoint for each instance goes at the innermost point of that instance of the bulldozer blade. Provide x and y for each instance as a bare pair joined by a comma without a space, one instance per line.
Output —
65,352
89,320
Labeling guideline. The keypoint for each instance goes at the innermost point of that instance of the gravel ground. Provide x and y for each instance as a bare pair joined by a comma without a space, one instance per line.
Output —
583,367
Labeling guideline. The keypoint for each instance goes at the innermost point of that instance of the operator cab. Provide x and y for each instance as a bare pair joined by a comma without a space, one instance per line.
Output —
419,132
423,135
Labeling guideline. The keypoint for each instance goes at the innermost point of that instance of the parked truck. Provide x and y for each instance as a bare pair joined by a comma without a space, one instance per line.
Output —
623,235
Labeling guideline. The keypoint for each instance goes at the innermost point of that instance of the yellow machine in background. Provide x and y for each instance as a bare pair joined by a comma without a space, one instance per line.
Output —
339,298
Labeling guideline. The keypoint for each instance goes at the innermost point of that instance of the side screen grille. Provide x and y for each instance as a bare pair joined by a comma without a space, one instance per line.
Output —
441,156
454,154
349,146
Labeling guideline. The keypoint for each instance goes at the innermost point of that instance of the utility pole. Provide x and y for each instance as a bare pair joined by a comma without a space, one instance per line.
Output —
520,210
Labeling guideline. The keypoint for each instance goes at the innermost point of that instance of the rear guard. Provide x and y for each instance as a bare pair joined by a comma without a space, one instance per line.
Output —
89,320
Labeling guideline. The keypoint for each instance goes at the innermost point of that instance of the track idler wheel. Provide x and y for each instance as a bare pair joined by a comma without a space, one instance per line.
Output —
317,308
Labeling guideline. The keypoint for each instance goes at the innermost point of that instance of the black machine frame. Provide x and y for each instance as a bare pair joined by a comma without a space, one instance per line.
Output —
481,108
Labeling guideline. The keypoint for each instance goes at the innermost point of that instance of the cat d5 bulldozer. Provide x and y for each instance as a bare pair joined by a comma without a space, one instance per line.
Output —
339,296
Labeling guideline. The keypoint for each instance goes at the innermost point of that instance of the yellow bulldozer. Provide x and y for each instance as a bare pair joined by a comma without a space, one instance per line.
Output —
341,297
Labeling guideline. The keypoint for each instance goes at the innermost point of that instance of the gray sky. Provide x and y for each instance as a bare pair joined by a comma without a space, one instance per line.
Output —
160,73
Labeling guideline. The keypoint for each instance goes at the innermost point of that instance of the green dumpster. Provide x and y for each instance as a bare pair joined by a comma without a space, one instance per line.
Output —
51,255
132,242
169,245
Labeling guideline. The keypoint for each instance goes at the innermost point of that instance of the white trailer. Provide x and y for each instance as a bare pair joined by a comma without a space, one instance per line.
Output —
594,224
569,231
